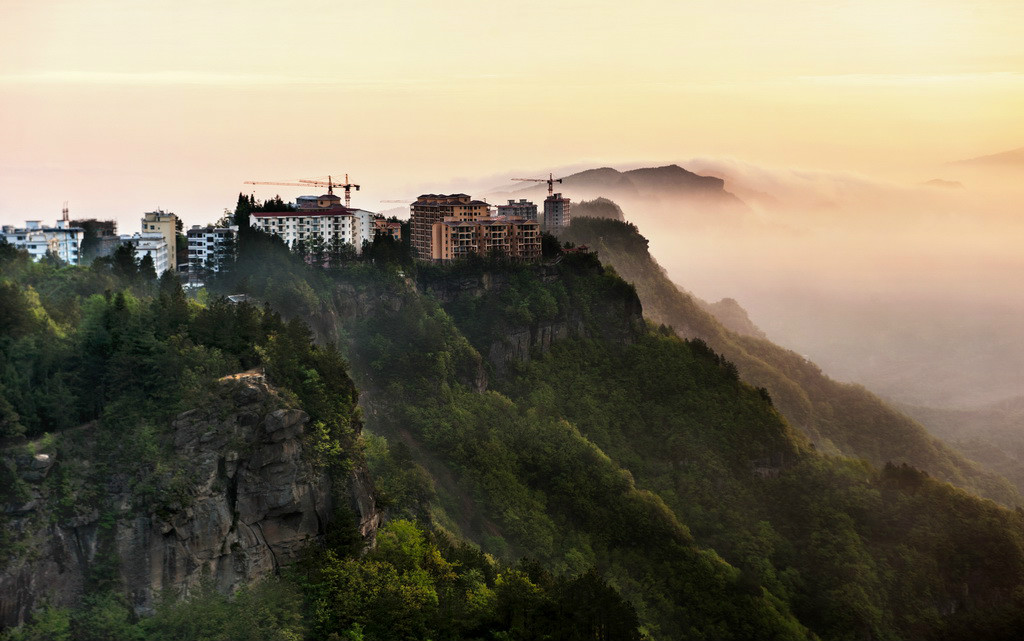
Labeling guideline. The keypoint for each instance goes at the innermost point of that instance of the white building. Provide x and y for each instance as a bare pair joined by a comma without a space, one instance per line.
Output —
322,217
209,247
151,244
63,240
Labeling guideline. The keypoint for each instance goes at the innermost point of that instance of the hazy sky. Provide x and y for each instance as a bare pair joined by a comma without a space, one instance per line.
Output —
121,106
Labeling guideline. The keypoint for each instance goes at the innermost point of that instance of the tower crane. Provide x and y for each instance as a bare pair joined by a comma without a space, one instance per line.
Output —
329,183
550,180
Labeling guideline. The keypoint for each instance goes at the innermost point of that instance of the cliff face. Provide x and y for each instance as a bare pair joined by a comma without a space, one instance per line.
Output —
253,503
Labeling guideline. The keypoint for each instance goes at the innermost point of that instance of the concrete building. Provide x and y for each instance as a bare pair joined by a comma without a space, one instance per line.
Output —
434,208
210,248
556,212
151,244
100,238
318,217
382,225
63,239
522,208
166,224
512,236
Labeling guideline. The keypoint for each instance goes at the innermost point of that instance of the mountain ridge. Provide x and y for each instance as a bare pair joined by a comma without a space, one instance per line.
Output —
832,414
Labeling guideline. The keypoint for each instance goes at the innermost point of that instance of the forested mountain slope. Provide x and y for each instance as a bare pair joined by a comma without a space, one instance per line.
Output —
528,409
553,466
837,417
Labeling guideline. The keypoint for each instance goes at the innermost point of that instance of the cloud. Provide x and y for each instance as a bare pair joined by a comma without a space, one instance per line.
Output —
910,79
195,78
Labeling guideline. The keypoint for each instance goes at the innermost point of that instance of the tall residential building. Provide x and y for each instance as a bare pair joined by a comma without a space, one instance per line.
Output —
512,236
63,239
318,217
522,208
166,224
556,212
210,248
434,208
152,244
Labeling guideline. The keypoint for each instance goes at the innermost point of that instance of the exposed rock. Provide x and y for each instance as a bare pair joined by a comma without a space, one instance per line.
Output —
255,502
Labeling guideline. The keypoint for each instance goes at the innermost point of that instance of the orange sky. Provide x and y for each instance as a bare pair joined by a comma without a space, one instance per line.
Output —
120,106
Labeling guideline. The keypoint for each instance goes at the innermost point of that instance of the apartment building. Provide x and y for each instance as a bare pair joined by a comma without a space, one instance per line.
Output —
165,224
318,217
152,244
430,209
382,225
512,236
522,208
210,248
63,239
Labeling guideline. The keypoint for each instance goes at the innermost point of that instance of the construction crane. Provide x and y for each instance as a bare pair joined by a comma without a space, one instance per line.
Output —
550,180
329,183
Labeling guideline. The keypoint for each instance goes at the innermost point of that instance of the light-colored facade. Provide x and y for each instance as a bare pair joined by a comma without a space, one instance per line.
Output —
63,240
434,208
318,217
210,248
511,236
522,208
151,244
166,224
556,212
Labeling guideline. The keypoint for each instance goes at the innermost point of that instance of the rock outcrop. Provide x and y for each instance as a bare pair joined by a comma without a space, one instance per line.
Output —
254,501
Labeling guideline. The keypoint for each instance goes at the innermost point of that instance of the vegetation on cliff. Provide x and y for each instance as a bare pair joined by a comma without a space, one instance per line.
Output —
839,418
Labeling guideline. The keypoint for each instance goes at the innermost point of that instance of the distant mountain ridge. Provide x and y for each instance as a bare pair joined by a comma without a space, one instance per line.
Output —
1014,157
839,418
645,182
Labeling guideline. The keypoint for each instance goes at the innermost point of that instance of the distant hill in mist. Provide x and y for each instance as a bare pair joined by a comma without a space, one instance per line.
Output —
669,181
1013,158
992,434
598,208
732,316
839,418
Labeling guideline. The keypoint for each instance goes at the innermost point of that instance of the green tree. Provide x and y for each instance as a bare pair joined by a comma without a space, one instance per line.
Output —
147,272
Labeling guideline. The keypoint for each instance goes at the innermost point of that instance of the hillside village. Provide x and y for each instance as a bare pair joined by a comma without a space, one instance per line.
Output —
441,227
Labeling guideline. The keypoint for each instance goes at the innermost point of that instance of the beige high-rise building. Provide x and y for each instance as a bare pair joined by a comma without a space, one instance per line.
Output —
165,224
511,236
434,208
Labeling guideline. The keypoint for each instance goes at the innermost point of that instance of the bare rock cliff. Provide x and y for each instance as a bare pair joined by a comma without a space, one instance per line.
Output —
254,502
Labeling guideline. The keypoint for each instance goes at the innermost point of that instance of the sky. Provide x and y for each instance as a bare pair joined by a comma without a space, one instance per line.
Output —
837,110
120,106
